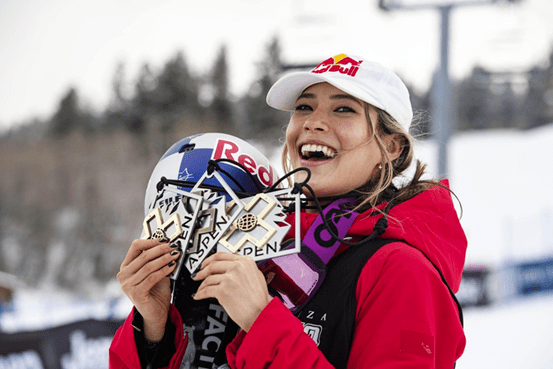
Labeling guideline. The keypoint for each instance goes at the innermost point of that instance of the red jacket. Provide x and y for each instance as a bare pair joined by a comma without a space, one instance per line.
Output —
405,314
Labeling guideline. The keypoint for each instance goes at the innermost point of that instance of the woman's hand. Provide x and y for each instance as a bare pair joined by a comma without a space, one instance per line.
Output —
143,278
238,285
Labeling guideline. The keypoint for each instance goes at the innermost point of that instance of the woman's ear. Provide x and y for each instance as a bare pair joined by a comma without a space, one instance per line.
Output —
394,145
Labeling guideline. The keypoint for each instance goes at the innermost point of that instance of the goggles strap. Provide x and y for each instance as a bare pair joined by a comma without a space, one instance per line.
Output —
297,277
339,217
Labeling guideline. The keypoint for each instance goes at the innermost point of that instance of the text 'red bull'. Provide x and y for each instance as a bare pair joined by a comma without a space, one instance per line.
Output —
344,65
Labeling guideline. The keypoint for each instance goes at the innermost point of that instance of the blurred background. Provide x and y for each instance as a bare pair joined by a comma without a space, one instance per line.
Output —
93,93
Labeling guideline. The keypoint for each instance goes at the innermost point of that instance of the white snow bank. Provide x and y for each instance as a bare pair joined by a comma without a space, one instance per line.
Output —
515,335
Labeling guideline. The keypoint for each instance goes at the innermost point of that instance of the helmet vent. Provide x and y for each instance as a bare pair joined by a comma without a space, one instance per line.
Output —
187,148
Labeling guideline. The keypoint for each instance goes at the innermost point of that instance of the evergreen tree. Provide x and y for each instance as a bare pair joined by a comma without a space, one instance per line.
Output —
262,120
473,96
548,93
220,106
117,111
120,101
176,89
538,105
508,107
142,104
144,87
68,117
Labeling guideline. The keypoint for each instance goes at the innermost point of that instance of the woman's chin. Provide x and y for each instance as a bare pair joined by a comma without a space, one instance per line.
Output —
321,190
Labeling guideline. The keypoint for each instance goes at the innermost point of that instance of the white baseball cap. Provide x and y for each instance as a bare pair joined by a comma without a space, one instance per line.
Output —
366,80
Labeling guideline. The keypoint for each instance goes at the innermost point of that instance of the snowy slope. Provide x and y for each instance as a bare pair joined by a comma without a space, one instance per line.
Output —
514,335
41,309
504,181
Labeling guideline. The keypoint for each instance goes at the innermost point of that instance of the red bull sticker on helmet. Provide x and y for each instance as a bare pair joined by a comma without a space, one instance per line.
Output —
230,150
339,64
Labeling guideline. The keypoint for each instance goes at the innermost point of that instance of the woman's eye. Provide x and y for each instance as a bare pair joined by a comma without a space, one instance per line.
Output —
302,107
345,109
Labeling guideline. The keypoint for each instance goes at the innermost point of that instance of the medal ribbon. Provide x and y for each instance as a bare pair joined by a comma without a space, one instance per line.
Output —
298,276
339,218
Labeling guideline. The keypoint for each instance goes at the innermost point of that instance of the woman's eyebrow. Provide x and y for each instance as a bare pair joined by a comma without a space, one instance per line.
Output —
308,95
346,96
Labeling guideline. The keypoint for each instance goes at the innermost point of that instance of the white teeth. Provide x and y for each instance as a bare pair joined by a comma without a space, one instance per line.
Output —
307,149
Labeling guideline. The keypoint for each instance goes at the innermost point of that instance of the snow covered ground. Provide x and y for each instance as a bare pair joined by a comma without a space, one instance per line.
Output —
33,310
515,335
503,180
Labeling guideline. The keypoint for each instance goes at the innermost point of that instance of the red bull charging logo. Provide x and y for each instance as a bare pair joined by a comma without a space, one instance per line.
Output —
340,64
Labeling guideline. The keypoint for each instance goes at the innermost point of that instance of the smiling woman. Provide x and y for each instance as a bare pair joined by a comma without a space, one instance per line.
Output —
326,121
355,115
373,285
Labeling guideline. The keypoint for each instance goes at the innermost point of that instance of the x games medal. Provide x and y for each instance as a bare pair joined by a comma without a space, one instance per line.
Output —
219,223
210,193
260,228
215,193
181,212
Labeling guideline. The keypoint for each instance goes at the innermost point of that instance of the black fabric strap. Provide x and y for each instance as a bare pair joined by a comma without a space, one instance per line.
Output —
154,354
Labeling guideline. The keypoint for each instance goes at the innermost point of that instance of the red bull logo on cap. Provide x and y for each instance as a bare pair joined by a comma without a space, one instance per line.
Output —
340,64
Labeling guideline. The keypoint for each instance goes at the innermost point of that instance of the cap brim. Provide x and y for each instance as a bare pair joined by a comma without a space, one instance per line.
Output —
285,92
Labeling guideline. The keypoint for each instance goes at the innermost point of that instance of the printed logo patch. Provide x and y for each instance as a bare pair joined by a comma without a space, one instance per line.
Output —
417,343
314,331
342,64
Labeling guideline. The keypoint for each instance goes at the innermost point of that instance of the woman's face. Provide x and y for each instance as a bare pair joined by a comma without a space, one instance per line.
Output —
329,134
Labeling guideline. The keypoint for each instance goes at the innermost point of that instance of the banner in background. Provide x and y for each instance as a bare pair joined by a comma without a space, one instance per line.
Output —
474,289
534,276
482,286
80,345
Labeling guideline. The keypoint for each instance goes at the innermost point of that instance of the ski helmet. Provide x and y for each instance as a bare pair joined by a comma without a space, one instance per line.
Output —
188,159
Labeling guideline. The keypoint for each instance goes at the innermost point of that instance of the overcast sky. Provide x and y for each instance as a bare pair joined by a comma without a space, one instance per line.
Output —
48,46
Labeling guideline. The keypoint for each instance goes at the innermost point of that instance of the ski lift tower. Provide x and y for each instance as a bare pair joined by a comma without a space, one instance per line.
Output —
442,93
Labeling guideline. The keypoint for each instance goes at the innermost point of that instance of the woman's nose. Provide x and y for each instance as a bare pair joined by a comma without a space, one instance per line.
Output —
317,121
